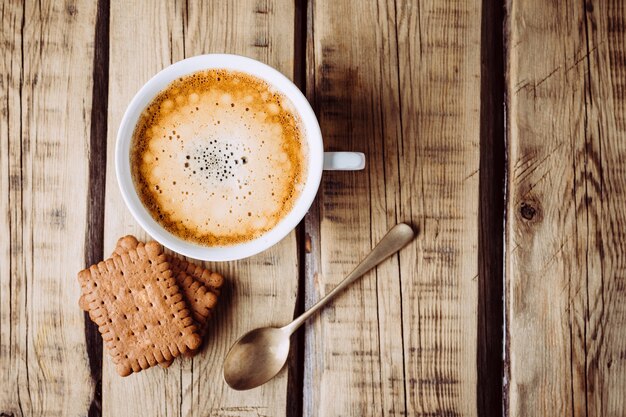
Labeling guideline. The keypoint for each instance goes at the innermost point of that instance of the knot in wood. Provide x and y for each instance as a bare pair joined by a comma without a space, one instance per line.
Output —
527,211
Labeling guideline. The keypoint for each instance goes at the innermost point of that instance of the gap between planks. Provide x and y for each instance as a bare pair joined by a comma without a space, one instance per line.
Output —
95,199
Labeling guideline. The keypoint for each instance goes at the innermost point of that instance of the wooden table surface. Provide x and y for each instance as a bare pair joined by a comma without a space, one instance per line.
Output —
498,129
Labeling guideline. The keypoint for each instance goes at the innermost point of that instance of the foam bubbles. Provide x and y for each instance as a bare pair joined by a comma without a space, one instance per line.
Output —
217,158
226,99
148,157
272,108
167,105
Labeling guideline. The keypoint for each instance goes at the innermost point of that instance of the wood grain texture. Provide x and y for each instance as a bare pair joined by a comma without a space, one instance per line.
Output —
566,289
439,50
348,340
45,109
261,290
399,81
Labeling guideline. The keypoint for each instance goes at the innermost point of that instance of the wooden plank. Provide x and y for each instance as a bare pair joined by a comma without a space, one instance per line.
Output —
566,288
350,347
439,49
606,152
46,71
11,294
155,29
261,290
400,82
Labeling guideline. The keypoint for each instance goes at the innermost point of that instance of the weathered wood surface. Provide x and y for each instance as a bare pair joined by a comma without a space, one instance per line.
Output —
45,106
566,287
417,86
399,81
261,290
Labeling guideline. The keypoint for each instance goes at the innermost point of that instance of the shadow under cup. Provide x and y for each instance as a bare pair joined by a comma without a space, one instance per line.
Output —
315,158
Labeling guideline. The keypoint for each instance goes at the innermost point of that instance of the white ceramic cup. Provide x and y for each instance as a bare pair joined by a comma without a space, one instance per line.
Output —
318,160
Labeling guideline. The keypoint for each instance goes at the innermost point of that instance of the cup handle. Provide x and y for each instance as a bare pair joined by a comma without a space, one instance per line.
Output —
344,161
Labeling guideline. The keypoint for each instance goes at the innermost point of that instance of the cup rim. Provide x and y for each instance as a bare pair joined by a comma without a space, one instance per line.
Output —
277,81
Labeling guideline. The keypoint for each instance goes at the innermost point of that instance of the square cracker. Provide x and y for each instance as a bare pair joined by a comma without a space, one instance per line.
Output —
199,286
212,280
138,308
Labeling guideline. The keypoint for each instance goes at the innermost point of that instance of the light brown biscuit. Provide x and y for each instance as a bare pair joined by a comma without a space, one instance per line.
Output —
124,244
138,308
200,287
213,280
201,299
164,364
201,291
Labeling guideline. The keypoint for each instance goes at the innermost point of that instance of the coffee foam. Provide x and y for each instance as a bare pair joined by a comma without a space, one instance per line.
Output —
218,157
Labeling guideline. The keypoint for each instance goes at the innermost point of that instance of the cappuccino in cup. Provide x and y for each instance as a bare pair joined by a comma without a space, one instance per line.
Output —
218,157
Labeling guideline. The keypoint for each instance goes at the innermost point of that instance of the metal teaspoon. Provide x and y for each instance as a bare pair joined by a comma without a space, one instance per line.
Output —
260,354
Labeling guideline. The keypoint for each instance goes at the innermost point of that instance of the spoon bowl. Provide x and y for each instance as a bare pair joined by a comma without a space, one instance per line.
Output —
256,357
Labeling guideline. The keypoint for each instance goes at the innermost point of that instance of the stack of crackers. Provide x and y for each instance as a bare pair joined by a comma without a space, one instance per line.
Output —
150,307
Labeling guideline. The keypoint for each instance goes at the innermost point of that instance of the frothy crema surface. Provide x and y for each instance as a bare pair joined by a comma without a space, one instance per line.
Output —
218,157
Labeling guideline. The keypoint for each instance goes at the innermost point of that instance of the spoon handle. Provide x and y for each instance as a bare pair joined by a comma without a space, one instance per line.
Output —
394,240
